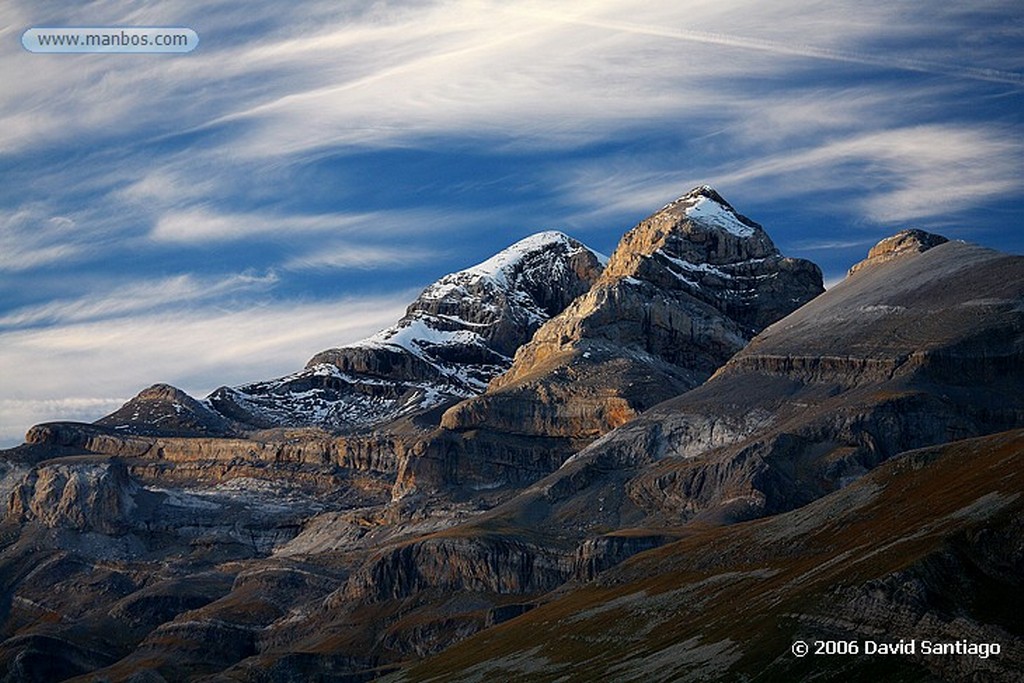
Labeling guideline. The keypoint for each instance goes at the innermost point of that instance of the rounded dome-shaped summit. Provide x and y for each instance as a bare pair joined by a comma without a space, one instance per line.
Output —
912,241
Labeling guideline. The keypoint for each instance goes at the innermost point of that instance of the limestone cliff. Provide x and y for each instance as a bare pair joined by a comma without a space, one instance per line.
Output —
907,352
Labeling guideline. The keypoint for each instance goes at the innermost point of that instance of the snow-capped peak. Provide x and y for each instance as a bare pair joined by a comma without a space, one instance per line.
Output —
499,266
460,333
710,212
705,206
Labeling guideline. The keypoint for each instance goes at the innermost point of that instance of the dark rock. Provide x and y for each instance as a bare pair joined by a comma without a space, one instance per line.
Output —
163,410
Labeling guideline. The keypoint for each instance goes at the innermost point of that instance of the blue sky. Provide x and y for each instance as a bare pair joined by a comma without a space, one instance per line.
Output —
219,216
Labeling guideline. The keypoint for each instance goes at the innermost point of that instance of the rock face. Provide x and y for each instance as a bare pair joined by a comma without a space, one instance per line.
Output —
684,291
478,564
459,334
82,496
905,353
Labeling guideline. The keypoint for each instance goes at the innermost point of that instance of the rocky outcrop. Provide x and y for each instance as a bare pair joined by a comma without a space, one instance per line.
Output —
597,554
700,244
683,292
903,243
371,453
163,410
96,495
89,438
453,564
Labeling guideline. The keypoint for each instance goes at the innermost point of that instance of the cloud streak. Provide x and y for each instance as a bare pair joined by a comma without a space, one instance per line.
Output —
89,366
777,47
141,297
891,176
28,239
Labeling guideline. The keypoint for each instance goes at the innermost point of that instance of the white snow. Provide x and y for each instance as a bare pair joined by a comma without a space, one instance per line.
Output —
444,288
710,212
694,267
501,264
415,334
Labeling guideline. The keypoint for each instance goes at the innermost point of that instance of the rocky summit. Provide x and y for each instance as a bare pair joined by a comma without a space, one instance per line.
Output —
670,464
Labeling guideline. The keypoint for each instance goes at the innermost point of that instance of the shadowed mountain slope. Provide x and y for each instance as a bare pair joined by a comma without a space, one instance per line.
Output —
927,548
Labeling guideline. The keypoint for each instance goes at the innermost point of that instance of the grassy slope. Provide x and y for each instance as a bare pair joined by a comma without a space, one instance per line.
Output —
729,601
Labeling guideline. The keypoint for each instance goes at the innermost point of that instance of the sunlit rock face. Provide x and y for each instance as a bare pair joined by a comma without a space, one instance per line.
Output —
683,292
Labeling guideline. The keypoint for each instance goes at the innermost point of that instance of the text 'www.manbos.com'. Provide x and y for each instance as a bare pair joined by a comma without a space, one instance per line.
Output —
110,40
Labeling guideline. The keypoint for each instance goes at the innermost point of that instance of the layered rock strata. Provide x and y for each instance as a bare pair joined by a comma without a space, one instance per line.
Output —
911,351
683,292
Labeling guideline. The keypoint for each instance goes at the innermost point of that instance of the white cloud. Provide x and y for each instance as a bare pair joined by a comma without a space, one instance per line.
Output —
917,172
165,186
522,69
88,367
896,175
360,256
141,296
833,244
204,225
788,47
29,239
519,73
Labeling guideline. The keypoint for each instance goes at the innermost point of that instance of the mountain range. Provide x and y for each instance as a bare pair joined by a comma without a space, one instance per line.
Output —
668,464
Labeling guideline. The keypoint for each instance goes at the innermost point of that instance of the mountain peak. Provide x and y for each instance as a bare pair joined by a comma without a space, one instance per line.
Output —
163,409
903,243
703,205
705,192
698,230
510,260
460,333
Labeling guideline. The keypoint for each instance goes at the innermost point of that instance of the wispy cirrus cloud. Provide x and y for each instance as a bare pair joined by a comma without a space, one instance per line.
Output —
201,225
360,257
914,172
891,176
142,296
787,48
30,239
519,73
